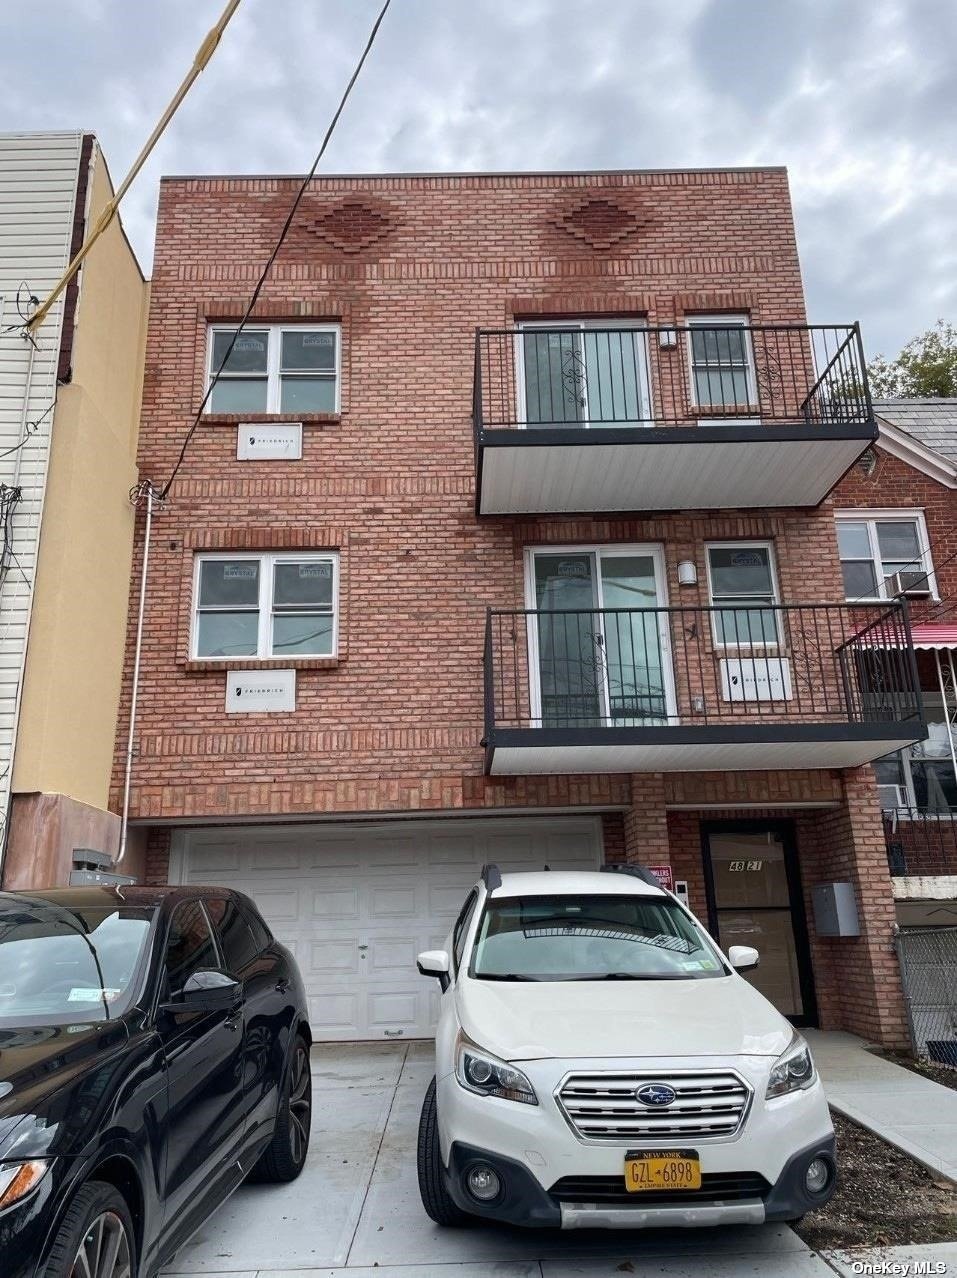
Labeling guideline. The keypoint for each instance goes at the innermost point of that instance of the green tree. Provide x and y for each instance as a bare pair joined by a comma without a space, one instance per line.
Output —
925,369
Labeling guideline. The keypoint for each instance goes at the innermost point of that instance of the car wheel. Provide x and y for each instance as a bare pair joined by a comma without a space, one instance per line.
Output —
436,1199
285,1155
95,1239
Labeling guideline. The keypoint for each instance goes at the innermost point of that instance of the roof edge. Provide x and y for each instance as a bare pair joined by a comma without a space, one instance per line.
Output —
466,174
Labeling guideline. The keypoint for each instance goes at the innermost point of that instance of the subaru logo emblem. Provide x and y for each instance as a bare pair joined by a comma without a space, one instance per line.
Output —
656,1094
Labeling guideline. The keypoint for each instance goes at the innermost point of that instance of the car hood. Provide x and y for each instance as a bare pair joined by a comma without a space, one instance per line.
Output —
38,1067
723,1016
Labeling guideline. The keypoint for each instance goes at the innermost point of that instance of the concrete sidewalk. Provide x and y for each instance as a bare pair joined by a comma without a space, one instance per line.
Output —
914,1113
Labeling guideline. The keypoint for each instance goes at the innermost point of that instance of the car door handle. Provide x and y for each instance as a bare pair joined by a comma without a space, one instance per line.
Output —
282,984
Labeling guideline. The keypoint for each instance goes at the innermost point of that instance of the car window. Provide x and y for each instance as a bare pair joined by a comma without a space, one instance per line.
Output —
581,938
68,965
190,947
462,926
260,931
235,936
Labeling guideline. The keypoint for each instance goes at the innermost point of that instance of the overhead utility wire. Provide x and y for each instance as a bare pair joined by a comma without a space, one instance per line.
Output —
203,55
275,253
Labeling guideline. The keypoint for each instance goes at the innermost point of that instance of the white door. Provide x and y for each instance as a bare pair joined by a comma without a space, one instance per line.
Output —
357,902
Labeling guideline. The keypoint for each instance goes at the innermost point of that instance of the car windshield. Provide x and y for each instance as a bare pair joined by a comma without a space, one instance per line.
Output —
580,938
61,965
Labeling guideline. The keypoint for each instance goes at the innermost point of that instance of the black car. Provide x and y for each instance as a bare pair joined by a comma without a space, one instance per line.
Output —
154,1052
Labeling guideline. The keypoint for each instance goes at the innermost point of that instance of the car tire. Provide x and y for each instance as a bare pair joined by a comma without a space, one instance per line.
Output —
285,1155
436,1199
97,1214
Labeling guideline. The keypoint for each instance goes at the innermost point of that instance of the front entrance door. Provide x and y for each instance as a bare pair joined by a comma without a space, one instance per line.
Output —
599,641
754,898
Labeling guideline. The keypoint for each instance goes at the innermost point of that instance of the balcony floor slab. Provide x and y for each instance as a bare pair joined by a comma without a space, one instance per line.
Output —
568,470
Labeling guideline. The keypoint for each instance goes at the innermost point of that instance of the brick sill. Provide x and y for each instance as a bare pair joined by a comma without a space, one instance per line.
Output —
275,663
256,419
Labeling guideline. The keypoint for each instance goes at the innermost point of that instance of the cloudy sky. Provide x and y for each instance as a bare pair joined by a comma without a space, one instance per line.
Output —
857,97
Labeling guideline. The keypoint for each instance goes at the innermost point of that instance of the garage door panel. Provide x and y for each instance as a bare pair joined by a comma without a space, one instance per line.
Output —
338,1014
335,904
331,854
384,891
331,958
388,955
392,1011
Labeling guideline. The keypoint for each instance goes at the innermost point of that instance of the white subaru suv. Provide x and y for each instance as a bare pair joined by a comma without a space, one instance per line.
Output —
600,1063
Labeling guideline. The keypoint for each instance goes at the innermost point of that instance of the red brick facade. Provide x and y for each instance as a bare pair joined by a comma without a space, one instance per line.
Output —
410,267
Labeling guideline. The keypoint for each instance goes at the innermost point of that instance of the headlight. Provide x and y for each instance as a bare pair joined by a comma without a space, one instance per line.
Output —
486,1075
793,1071
17,1179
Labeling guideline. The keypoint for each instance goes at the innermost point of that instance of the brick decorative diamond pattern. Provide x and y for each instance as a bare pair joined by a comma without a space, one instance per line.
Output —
599,223
353,226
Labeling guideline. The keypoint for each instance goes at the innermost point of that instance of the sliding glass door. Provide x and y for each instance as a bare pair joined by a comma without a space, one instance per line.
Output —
583,374
600,652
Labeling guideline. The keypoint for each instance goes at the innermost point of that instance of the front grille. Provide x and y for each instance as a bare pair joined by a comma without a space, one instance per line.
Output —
721,1187
707,1106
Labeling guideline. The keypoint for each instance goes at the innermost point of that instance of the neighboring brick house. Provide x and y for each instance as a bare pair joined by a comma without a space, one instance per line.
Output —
900,503
629,465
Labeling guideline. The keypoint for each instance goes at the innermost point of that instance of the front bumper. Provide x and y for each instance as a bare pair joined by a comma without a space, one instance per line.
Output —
523,1200
554,1176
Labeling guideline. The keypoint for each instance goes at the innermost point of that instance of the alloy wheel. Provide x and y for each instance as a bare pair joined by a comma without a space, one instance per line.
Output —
104,1251
300,1105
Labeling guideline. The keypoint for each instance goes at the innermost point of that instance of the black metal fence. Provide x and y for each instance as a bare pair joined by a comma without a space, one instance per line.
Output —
586,375
920,841
633,667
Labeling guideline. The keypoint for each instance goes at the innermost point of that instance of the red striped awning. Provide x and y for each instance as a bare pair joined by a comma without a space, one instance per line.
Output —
929,635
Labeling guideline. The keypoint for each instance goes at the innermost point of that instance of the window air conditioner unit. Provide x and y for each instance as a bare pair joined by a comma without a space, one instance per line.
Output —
913,583
892,796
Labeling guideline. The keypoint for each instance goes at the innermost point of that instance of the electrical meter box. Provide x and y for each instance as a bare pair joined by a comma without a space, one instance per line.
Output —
835,910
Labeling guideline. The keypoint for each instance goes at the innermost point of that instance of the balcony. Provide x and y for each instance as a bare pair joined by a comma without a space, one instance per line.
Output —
921,844
688,689
579,418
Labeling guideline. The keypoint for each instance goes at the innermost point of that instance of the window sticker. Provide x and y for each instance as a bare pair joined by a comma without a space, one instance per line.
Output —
83,994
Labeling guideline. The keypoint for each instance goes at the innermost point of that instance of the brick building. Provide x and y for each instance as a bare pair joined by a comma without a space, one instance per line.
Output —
904,494
491,548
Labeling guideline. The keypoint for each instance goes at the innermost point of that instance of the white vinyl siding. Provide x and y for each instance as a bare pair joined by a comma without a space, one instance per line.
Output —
38,181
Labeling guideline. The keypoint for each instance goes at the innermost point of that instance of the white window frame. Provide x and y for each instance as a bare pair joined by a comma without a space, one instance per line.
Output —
739,320
872,518
744,543
575,324
267,564
274,359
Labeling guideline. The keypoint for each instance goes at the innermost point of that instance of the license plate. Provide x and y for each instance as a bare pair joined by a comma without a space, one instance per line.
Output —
673,1169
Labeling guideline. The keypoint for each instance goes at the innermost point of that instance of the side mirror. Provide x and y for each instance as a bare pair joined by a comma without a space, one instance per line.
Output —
435,963
207,991
743,958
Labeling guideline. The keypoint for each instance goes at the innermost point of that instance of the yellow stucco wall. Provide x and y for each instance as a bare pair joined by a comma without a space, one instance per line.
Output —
74,664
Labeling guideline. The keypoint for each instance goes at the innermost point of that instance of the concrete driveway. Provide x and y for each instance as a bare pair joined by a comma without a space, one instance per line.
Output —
355,1210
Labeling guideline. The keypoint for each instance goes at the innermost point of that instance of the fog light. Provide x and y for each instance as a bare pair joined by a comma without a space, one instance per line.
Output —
817,1177
483,1182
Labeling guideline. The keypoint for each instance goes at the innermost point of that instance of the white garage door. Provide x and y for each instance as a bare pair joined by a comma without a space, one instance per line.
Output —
356,903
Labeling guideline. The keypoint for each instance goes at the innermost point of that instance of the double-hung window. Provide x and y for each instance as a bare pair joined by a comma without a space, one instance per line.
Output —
743,587
722,364
274,368
265,606
874,545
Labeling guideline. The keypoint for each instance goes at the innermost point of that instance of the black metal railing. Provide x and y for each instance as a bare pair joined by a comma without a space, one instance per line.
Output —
645,667
684,375
920,841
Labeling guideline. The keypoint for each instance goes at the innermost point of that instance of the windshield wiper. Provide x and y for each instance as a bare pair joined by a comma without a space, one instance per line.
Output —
505,976
631,976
